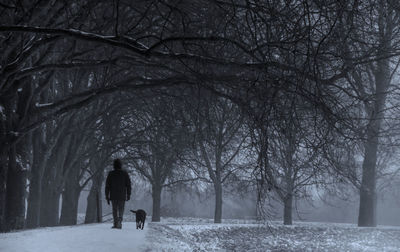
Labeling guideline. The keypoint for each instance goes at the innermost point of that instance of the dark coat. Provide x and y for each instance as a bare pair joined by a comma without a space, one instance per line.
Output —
118,185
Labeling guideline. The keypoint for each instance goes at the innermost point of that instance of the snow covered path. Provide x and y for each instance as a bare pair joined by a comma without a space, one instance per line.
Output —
93,237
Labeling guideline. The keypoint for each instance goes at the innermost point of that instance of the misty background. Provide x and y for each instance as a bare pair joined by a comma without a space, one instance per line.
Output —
187,202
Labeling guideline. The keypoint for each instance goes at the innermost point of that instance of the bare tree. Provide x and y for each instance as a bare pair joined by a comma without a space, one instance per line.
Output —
159,138
370,84
294,165
219,138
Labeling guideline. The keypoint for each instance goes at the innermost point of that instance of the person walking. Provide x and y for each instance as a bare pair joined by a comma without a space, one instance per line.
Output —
118,190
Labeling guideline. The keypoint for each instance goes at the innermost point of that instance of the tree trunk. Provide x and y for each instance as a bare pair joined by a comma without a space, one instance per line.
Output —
69,209
35,183
218,202
94,209
156,193
287,212
35,194
99,207
72,190
3,183
91,208
15,197
52,186
367,209
49,206
367,214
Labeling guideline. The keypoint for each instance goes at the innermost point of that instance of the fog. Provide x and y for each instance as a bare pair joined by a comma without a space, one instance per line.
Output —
180,202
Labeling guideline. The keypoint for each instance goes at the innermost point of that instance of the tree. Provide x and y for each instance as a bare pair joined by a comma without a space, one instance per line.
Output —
159,138
219,137
293,155
103,147
370,84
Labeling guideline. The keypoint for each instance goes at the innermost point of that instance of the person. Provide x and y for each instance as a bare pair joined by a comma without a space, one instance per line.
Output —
118,190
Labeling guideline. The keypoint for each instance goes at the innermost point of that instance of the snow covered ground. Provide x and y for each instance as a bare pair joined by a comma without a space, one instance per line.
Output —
92,237
245,235
191,234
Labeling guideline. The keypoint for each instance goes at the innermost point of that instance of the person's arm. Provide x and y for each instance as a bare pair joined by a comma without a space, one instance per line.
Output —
107,189
128,187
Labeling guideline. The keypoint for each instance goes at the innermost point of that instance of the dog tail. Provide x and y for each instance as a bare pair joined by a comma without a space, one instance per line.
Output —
133,211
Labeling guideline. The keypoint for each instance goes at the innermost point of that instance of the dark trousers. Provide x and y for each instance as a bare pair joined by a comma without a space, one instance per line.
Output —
118,210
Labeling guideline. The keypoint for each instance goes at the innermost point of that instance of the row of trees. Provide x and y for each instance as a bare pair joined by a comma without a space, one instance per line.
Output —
288,86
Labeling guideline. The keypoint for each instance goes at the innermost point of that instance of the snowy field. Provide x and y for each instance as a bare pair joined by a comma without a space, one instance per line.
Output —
235,235
190,234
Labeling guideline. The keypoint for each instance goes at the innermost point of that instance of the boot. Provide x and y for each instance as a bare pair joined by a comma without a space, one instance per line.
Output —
119,223
115,224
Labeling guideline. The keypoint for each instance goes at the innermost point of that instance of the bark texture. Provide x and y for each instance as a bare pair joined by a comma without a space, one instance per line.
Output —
156,194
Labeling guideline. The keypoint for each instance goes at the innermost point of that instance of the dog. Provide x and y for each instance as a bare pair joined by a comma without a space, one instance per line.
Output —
140,218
